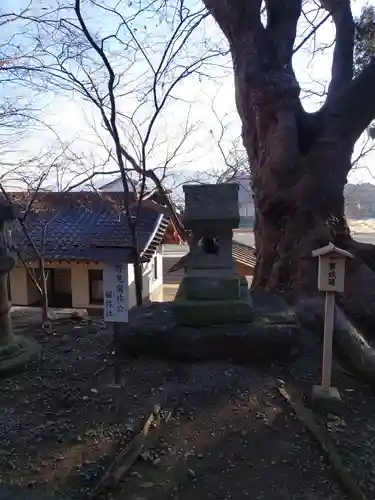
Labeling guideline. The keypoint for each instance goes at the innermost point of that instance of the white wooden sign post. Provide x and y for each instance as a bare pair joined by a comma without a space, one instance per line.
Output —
116,293
331,280
116,306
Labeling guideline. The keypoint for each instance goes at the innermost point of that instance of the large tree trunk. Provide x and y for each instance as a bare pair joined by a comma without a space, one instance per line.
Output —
298,179
300,161
299,202
299,166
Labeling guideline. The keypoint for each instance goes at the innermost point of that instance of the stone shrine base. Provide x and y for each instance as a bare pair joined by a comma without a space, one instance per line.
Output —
204,313
15,355
234,308
273,333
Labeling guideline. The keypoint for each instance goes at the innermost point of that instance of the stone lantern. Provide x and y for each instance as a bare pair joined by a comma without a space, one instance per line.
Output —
211,292
14,350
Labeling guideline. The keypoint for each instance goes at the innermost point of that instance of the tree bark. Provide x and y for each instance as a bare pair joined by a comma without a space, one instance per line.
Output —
41,281
358,301
299,164
299,167
299,204
300,161
44,291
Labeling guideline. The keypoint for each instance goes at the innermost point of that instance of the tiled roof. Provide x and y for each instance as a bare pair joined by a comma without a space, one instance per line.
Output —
243,254
85,226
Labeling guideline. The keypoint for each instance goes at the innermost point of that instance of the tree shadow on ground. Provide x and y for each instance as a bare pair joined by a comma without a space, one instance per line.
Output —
230,432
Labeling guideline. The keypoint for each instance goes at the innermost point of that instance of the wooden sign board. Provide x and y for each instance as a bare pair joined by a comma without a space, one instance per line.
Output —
116,293
331,277
331,270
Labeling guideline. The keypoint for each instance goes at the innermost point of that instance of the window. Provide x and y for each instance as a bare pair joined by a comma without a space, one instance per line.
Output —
96,286
246,209
155,268
242,209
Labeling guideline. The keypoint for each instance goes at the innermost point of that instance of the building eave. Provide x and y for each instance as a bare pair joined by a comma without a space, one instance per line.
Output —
156,238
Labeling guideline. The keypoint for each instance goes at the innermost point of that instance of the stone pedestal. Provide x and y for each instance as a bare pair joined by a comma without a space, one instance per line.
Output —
211,292
15,354
15,350
273,333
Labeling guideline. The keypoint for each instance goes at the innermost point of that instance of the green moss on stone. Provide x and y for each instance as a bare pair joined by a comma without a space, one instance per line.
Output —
212,312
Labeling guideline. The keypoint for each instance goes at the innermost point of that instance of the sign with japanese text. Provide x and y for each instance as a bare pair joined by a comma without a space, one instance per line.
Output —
331,273
116,293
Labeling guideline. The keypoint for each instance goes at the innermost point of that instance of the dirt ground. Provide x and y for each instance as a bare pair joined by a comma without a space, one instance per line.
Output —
229,435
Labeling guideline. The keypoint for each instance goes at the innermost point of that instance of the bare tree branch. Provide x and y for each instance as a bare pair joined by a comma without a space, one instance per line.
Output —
354,106
342,64
282,18
233,15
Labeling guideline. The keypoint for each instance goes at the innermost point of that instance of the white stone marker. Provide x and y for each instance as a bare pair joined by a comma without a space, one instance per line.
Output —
331,280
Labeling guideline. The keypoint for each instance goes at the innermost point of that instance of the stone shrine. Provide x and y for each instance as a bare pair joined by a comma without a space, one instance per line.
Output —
211,292
14,349
214,314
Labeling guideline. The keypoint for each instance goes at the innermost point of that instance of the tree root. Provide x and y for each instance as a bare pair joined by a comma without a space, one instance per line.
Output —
348,339
126,458
308,419
355,347
363,251
358,301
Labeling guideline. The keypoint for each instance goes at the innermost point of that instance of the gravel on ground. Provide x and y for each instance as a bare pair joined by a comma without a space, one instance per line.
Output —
230,434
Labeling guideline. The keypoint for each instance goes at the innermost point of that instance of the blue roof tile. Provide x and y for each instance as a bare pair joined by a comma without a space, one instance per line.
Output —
82,226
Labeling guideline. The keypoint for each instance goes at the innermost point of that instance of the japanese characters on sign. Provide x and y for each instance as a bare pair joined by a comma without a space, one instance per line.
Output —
116,299
332,273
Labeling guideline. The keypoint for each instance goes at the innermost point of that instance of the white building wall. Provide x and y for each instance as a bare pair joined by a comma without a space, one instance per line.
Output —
18,286
80,285
245,198
246,209
152,284
131,286
23,292
115,186
153,277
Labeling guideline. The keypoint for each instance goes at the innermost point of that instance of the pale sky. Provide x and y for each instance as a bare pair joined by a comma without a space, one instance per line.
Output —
74,120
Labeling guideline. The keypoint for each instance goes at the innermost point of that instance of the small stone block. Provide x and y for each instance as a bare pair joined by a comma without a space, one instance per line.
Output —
211,287
327,401
212,312
211,201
